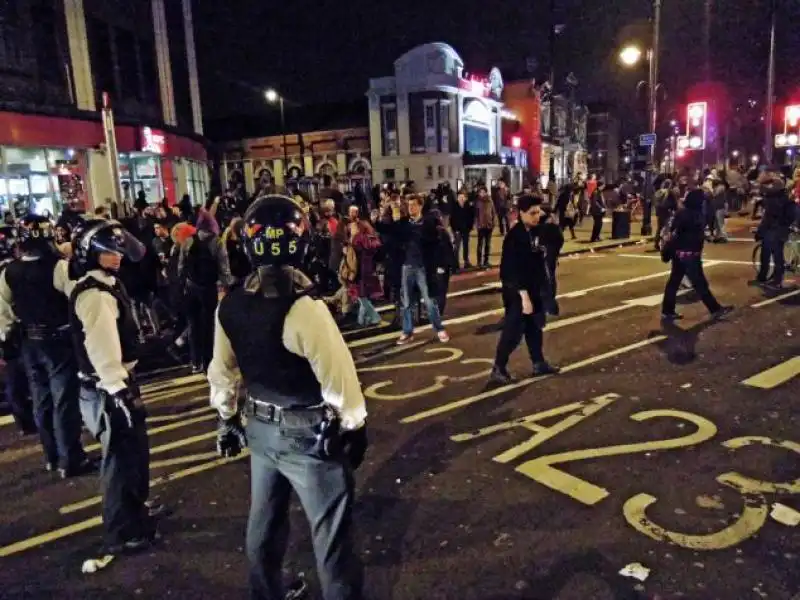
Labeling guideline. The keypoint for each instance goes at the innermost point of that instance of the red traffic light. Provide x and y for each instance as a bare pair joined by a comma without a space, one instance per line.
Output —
792,115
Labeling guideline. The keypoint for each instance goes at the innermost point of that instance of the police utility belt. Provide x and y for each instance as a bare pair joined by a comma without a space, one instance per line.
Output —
320,422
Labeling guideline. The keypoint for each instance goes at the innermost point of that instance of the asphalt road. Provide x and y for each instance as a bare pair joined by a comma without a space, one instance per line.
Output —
667,447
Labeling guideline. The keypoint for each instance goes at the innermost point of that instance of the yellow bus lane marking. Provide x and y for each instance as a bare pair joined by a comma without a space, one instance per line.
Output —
542,471
177,416
62,532
777,375
159,481
158,386
167,394
182,460
752,519
455,405
747,485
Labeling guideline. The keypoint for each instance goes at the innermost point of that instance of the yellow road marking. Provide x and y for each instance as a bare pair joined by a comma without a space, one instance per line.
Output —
167,394
176,417
438,410
163,428
181,443
182,460
777,375
752,519
157,386
6,420
62,532
159,481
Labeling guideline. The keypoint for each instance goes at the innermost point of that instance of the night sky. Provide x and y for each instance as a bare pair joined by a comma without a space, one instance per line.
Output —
322,50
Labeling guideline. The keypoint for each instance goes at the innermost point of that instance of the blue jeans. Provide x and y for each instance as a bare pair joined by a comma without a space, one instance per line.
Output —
53,377
367,315
281,461
415,276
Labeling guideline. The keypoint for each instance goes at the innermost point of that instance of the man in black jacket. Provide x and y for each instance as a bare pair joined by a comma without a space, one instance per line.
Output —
523,276
774,228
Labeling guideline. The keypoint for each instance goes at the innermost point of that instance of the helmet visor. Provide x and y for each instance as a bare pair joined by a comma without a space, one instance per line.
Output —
118,240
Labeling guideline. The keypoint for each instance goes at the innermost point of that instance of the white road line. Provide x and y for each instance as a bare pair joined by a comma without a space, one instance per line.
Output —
438,410
776,299
706,262
6,420
647,301
458,294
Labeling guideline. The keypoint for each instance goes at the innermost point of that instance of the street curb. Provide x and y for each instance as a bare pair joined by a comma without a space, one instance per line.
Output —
621,244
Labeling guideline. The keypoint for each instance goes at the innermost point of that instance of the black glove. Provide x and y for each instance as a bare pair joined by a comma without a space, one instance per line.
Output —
355,445
119,407
231,438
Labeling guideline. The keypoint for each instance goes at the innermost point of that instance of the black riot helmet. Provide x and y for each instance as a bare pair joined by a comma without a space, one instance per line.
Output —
8,241
275,232
36,233
93,237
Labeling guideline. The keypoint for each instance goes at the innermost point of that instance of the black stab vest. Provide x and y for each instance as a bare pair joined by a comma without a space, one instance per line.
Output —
126,325
254,325
36,302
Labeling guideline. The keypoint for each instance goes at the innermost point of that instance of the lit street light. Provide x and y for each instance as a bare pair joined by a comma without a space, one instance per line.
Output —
754,158
735,154
630,56
272,97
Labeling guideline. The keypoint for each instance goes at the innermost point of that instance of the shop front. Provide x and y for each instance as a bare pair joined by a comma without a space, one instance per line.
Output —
47,163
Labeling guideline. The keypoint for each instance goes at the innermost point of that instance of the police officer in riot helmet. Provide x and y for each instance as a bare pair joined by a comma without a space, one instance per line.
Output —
105,340
306,416
34,291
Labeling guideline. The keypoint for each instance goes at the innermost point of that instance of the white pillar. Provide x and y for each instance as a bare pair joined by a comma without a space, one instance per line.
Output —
81,67
191,58
164,65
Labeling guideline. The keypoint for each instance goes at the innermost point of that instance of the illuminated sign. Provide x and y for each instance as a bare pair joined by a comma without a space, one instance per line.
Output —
153,141
516,142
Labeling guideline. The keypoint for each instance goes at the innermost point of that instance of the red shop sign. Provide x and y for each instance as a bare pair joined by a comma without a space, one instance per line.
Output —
153,141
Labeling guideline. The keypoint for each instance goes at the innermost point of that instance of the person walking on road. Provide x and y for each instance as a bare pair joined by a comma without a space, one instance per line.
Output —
779,215
685,250
523,275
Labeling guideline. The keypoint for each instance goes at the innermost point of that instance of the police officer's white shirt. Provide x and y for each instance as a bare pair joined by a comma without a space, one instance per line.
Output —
308,331
98,312
61,282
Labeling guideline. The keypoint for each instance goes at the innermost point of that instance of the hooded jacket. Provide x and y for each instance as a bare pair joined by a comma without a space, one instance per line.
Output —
689,224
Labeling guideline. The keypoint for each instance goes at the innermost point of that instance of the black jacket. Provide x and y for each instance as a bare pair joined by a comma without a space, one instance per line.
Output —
522,264
689,225
778,214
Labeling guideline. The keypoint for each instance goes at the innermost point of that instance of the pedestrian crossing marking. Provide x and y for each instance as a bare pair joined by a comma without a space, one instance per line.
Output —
777,375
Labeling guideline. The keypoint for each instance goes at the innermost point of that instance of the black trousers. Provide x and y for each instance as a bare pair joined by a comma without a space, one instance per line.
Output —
502,221
692,268
282,461
124,472
201,302
597,226
515,326
53,377
484,246
461,238
772,249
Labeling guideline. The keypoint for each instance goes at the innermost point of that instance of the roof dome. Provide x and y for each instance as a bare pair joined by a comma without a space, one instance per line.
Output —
432,58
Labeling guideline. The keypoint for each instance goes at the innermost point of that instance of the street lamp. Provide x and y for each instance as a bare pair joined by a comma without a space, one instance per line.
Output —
735,154
272,97
754,158
630,56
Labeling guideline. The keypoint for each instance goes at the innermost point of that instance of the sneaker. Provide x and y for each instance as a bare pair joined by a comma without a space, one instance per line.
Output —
500,376
405,339
443,336
671,317
722,312
545,368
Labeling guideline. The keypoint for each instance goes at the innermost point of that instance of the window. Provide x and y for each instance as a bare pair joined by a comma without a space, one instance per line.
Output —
128,66
101,58
476,139
388,174
407,173
149,73
429,172
48,56
444,125
441,172
390,146
431,130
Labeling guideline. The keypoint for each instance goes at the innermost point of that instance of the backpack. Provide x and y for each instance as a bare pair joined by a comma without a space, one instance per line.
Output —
201,265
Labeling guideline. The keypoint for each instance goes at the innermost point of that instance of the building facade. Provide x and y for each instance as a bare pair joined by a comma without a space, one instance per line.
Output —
565,148
603,136
60,61
431,122
340,154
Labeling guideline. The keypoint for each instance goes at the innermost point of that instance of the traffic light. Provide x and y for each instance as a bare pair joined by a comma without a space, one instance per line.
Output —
697,125
791,128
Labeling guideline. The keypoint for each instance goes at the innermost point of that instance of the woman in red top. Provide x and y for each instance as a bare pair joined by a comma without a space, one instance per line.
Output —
367,285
